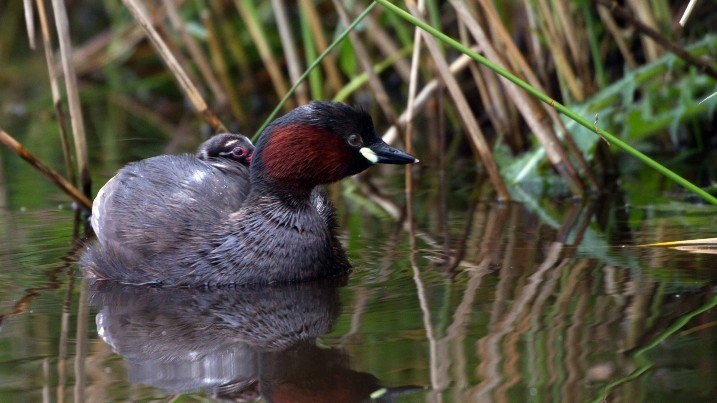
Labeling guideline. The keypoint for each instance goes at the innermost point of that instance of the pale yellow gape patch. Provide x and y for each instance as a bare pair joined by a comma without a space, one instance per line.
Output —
369,154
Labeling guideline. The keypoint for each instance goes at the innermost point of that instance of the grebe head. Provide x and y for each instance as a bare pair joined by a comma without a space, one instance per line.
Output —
319,143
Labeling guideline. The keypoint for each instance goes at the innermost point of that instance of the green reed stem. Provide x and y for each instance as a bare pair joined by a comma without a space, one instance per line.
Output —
361,79
590,125
313,65
643,364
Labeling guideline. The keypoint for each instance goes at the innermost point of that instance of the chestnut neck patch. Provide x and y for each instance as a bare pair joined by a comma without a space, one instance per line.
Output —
303,156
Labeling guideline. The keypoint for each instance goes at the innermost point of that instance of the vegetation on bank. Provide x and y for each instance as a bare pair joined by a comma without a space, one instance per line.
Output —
609,74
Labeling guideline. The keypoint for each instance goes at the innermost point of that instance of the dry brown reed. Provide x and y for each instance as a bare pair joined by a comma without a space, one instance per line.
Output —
321,43
269,58
62,25
196,54
55,89
187,85
56,178
376,85
665,44
543,42
29,22
478,140
294,66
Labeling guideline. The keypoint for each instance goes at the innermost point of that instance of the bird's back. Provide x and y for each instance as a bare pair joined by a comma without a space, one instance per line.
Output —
151,206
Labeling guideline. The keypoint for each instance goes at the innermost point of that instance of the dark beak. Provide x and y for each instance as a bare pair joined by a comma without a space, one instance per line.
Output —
385,154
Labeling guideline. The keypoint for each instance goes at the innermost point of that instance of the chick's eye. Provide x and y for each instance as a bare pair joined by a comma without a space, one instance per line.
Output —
238,152
355,140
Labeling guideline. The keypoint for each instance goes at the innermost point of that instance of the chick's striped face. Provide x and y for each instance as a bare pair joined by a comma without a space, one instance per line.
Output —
231,146
236,150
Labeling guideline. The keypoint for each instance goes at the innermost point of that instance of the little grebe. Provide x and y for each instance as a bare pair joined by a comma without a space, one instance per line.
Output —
182,220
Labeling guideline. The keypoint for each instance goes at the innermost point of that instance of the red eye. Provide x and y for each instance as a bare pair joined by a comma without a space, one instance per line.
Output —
355,140
238,152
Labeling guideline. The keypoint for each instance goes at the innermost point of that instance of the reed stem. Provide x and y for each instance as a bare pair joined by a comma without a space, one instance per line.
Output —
589,124
73,95
49,173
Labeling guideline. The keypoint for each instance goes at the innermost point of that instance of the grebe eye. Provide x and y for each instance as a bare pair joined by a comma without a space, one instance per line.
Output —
355,140
238,152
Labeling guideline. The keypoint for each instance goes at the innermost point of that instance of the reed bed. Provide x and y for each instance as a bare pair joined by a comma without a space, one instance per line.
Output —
417,64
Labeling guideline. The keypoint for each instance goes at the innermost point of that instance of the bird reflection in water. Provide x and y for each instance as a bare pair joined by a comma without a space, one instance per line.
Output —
236,343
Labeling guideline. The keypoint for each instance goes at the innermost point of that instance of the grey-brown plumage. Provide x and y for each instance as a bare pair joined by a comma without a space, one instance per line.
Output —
230,148
180,220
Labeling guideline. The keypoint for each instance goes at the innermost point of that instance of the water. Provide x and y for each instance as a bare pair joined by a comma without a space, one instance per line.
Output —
483,302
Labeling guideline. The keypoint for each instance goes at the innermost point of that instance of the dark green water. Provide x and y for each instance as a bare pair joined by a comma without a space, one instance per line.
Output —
482,302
